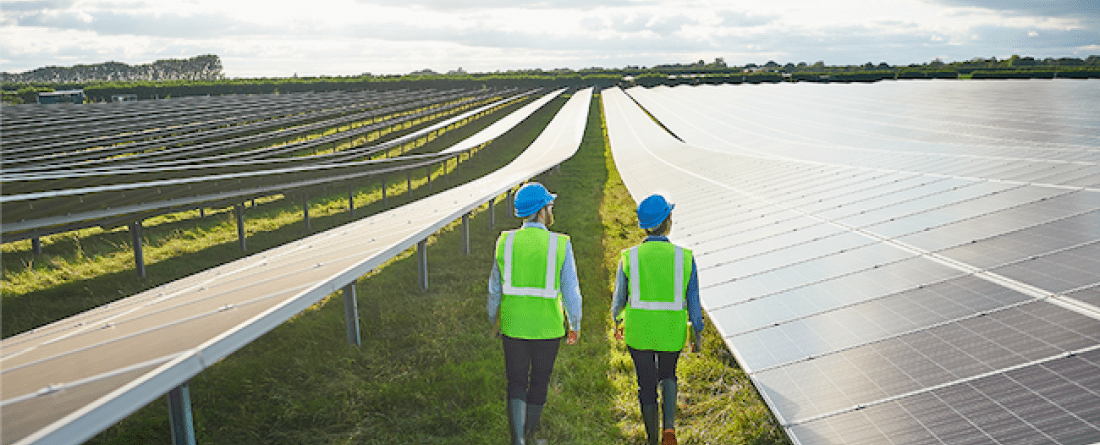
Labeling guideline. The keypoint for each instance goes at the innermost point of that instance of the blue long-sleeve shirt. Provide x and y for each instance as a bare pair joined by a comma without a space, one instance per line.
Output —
621,296
570,286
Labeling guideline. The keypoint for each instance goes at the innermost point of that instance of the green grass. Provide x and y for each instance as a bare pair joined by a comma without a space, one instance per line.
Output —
429,372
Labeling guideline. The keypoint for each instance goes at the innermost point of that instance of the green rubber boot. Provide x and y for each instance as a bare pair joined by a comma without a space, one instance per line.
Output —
668,403
517,416
652,427
534,415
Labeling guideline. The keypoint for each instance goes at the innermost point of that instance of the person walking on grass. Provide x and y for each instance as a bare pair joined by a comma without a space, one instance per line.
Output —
533,277
656,292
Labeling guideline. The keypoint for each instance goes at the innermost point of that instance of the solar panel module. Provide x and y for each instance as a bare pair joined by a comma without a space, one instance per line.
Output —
898,262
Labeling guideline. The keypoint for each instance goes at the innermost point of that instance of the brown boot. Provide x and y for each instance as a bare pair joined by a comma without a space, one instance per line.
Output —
669,437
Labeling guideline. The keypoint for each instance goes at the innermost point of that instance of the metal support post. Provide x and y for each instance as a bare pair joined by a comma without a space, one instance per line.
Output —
202,212
36,245
466,234
179,416
409,180
422,263
139,255
351,314
351,201
429,179
508,204
493,212
384,191
239,211
305,209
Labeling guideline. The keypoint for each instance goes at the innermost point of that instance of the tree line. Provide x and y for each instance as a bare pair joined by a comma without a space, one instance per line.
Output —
200,76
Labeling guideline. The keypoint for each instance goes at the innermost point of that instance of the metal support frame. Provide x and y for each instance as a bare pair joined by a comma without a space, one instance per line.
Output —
202,213
351,200
429,179
139,254
351,314
179,416
238,210
409,180
305,210
422,263
466,234
493,212
384,203
36,245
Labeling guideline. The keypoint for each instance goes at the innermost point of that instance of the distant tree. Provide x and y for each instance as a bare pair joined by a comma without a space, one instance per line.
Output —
771,64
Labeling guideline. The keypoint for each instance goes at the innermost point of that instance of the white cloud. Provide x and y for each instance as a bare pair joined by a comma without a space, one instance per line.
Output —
347,37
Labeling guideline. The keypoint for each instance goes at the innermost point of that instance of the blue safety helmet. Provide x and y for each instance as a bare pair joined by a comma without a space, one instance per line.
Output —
652,211
530,198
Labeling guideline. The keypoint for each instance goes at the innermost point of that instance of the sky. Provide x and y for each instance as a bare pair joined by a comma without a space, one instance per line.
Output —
274,38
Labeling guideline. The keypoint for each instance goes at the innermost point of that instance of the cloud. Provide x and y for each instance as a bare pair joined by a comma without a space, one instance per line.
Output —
198,26
741,19
1040,8
35,6
475,5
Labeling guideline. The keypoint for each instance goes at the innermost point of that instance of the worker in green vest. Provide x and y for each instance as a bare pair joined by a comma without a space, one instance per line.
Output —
656,292
533,278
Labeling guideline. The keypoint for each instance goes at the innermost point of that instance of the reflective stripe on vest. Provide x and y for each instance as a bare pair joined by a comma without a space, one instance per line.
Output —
677,303
549,289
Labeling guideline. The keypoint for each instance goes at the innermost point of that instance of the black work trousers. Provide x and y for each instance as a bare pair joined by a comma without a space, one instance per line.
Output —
652,367
528,364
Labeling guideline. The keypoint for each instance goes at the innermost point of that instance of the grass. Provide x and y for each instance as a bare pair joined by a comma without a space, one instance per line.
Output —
428,370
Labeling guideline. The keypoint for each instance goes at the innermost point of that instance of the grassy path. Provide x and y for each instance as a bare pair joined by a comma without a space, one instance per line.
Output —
429,372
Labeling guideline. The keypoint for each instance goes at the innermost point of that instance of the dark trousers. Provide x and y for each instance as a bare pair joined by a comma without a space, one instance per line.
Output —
652,367
528,364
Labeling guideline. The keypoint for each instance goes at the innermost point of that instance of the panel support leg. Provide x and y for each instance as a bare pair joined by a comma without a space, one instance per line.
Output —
429,179
409,180
179,416
351,200
239,211
351,314
466,234
493,212
422,263
305,210
139,255
36,245
384,204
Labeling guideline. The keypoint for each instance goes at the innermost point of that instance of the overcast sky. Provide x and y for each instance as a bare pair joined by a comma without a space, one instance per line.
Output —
266,38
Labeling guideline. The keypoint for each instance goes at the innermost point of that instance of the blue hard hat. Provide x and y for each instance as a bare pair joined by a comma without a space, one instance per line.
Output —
530,198
652,211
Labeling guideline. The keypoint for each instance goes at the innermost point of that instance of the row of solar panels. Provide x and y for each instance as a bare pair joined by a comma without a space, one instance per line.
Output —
217,139
902,262
36,204
65,382
82,127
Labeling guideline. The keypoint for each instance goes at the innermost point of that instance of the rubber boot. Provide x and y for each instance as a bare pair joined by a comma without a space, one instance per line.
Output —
534,415
517,416
652,427
668,411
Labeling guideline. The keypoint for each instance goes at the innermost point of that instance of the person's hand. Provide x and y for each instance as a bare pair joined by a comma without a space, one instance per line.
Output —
619,332
572,338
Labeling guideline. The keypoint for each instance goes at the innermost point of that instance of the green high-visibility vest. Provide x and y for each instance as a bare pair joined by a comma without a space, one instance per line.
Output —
656,313
530,262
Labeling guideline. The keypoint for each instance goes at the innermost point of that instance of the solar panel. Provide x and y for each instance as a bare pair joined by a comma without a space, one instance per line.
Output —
66,381
900,262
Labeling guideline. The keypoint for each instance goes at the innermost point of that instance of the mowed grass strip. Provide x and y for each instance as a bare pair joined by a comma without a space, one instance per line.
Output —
429,370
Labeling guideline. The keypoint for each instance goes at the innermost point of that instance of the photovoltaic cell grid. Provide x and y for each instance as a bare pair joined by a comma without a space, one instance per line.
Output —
897,262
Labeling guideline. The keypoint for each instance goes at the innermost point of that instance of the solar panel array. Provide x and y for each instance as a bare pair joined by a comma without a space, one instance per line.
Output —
64,382
898,262
119,163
